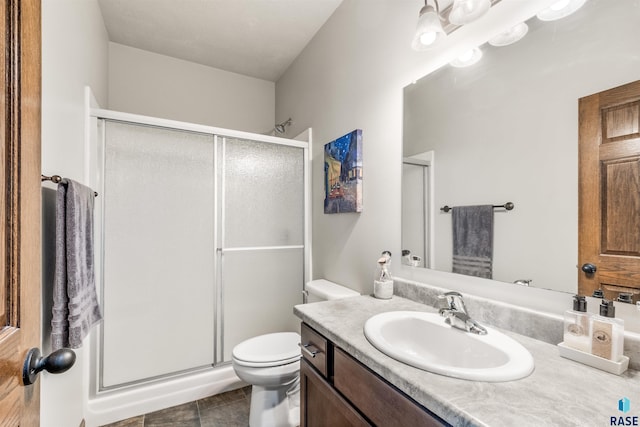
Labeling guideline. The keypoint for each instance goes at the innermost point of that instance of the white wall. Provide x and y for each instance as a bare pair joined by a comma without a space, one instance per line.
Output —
351,75
74,54
150,84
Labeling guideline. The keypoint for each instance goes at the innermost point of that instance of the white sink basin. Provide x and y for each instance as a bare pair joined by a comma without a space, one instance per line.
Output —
425,341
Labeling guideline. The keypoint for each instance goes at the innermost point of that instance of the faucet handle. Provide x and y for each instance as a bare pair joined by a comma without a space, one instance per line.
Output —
443,304
452,294
452,301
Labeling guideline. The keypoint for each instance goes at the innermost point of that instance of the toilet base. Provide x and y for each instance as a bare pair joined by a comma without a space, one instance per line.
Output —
275,407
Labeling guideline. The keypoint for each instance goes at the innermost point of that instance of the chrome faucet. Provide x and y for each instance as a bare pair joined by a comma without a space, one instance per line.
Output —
453,309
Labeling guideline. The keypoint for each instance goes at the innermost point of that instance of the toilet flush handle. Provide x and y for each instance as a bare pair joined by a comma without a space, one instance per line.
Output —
309,349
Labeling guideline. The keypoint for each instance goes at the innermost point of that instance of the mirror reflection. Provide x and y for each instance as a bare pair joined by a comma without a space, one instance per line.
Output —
506,130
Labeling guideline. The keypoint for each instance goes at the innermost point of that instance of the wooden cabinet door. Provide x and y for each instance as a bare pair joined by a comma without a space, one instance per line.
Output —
321,405
20,203
609,192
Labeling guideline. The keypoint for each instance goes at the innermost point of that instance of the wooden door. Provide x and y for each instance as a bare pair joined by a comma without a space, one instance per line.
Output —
609,192
20,201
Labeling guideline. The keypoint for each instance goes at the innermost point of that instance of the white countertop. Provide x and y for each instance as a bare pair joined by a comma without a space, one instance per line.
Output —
560,392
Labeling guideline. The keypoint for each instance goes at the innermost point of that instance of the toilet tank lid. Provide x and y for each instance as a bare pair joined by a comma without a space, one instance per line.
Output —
328,290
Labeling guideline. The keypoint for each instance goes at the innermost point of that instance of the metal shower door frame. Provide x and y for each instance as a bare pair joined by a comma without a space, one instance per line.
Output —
93,153
221,246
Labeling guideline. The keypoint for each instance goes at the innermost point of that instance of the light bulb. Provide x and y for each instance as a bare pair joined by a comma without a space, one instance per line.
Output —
466,56
560,9
428,38
429,29
469,57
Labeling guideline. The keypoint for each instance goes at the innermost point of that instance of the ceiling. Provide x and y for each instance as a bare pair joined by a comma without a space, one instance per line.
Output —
257,38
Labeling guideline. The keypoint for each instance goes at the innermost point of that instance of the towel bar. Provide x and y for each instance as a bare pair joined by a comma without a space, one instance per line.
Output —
56,179
508,206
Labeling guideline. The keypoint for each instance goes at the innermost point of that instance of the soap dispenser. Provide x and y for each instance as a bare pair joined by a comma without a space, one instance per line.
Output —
607,333
382,282
577,325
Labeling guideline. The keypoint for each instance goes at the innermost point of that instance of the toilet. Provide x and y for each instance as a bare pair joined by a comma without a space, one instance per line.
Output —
271,364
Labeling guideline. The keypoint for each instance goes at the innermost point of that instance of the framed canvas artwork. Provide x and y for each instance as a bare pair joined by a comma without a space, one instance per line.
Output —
343,174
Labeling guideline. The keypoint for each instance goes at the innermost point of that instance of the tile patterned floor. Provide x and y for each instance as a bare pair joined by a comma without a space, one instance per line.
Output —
229,409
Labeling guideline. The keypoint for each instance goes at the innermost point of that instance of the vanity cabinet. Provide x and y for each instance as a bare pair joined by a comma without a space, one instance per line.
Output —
337,390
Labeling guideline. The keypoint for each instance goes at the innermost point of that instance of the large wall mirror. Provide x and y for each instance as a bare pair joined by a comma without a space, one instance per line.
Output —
506,130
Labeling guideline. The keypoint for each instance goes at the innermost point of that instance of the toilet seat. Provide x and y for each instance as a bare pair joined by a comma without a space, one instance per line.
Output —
275,349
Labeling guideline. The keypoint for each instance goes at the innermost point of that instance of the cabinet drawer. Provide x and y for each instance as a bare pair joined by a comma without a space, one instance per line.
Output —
314,348
382,403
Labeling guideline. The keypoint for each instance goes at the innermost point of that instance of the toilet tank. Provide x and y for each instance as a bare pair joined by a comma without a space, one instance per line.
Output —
323,290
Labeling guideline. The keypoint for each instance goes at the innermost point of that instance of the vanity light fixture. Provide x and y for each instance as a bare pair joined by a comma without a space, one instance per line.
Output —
429,30
510,36
434,24
465,11
468,58
560,9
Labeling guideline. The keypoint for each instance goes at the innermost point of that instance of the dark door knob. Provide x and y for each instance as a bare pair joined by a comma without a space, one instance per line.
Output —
589,268
56,363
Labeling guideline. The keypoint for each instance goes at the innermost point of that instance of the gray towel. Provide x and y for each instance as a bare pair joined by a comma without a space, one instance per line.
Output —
75,303
473,240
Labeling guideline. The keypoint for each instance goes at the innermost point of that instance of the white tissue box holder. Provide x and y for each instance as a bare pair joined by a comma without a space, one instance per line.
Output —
601,363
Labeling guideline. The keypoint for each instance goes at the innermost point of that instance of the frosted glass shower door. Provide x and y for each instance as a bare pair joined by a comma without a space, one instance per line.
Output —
262,239
159,254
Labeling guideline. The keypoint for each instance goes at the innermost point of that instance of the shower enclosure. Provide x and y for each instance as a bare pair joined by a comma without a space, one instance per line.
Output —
203,238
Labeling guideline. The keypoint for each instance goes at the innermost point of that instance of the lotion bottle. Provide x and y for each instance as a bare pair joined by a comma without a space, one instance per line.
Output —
607,333
382,282
577,325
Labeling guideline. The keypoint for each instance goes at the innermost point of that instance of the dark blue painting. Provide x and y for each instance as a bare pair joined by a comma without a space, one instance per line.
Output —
343,174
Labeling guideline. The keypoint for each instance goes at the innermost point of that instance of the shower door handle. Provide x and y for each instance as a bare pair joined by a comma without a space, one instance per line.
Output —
56,363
